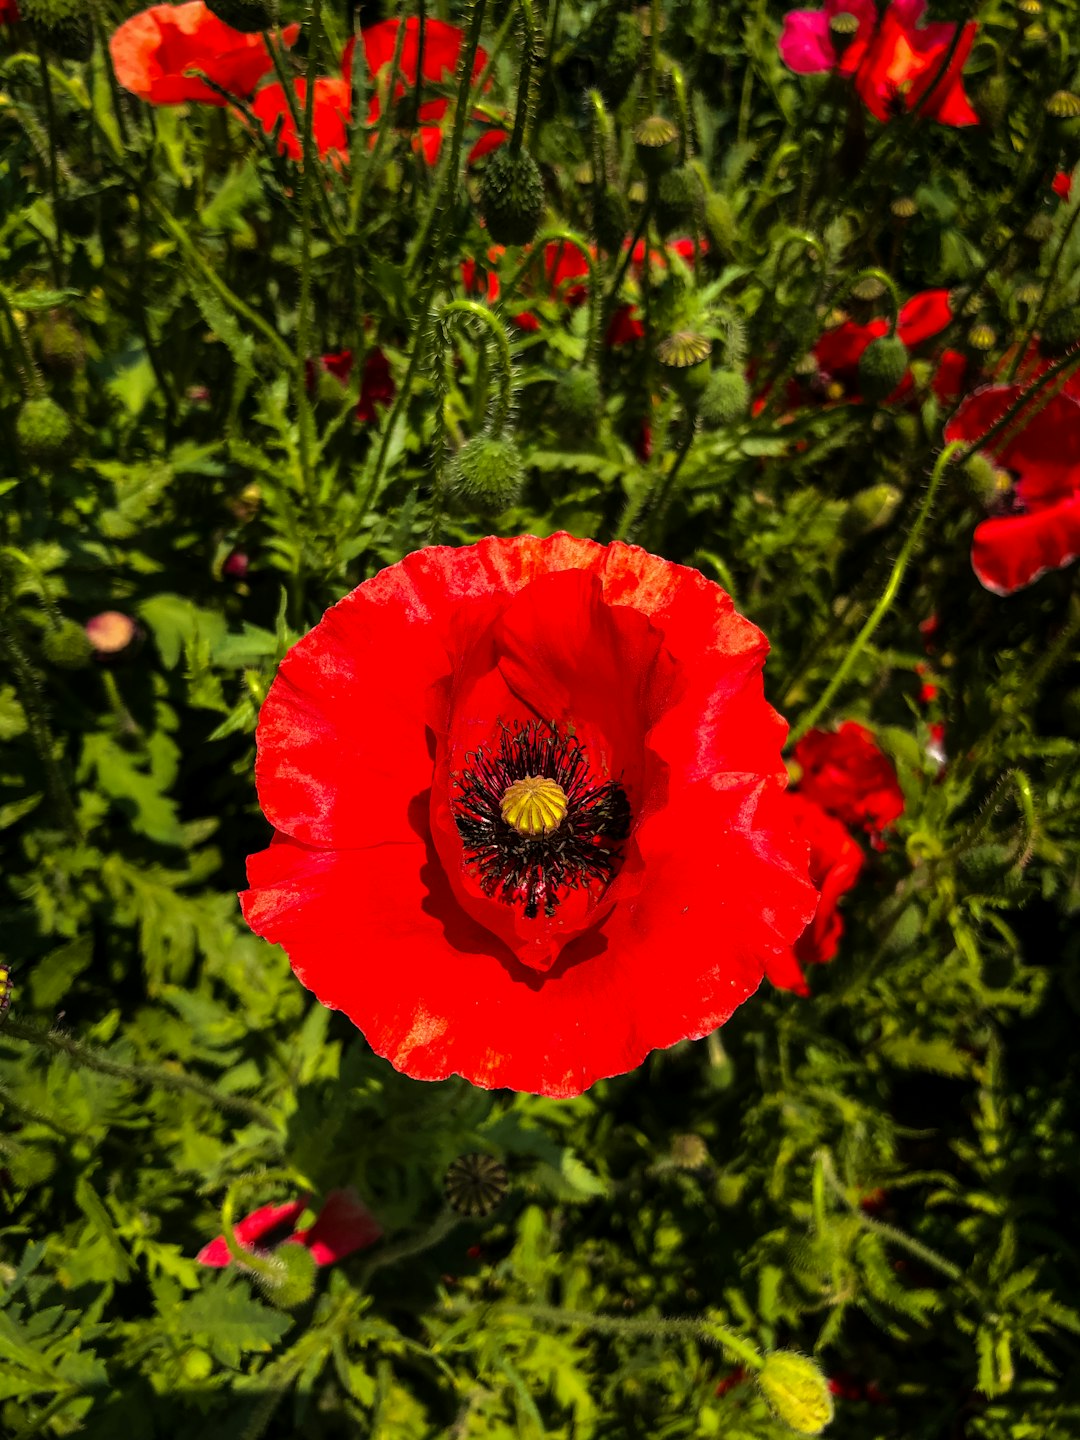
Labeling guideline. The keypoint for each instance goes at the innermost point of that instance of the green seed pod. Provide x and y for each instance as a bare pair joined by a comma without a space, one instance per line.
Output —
680,200
488,472
622,58
796,1391
725,400
63,26
869,510
66,646
42,430
904,208
291,1282
689,1152
882,366
685,358
60,347
1062,330
843,28
512,197
247,16
578,400
656,141
611,218
981,337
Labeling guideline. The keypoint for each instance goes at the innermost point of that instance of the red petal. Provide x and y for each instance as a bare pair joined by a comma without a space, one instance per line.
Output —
1043,449
924,316
1015,550
251,1230
344,1225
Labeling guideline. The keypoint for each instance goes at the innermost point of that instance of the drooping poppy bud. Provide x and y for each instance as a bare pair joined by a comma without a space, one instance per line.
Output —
66,645
42,430
289,1279
488,472
577,397
512,197
869,510
796,1391
882,366
726,398
60,346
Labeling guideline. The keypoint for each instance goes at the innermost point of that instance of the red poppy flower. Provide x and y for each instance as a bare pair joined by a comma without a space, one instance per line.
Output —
441,52
153,51
835,862
342,1226
845,773
330,119
9,12
902,69
529,812
377,384
624,327
839,350
1040,530
1062,185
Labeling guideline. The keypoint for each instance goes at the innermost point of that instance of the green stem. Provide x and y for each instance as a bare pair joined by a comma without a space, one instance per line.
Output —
666,488
539,252
153,1075
1040,309
530,46
497,337
384,93
28,688
261,1264
50,118
32,382
655,13
881,609
303,317
444,1223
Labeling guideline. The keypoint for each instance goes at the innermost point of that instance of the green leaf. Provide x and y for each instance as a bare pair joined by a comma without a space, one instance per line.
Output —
226,1318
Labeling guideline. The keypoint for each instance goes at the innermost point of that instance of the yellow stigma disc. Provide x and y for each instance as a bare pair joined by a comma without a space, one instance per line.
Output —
534,805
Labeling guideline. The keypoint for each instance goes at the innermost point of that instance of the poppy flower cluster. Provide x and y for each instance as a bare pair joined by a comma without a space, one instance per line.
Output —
344,1224
846,783
377,387
1037,524
555,840
896,62
839,350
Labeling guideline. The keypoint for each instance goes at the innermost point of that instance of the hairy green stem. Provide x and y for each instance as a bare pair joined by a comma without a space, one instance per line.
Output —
1040,309
27,687
530,47
303,316
497,341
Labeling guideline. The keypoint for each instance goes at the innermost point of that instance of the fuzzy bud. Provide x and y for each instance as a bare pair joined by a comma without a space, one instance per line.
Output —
292,1281
578,399
60,347
656,142
796,1391
882,366
66,645
623,58
1061,331
726,399
488,472
869,510
689,1152
512,197
680,200
247,16
611,218
42,430
62,25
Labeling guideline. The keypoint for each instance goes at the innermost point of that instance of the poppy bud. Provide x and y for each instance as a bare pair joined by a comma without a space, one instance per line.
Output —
656,142
1062,330
611,217
680,200
882,366
796,1391
488,472
577,398
63,27
726,398
622,59
985,481
66,645
247,16
869,510
992,100
291,1281
843,27
42,430
512,197
685,357
720,224
60,347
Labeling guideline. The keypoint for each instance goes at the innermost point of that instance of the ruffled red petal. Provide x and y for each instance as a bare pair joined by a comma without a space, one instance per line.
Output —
1043,450
1013,551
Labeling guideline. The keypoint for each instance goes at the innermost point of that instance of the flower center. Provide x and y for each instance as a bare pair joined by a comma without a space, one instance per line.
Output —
535,805
534,822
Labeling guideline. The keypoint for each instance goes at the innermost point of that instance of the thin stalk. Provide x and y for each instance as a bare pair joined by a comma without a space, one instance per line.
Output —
881,609
303,316
54,181
1040,309
497,333
27,688
524,105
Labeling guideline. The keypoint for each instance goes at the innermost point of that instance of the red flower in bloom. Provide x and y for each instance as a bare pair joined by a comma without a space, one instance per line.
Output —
153,51
1062,185
9,12
1039,529
342,1226
909,67
845,773
330,119
376,387
840,349
806,42
441,51
835,862
504,780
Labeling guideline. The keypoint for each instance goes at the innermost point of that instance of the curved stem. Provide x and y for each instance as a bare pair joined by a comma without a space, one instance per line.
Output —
888,595
539,250
497,336
873,273
261,1264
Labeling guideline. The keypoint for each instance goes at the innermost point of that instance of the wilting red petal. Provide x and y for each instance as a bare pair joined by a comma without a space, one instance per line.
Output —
924,316
661,682
950,376
839,350
845,773
1012,551
152,50
489,141
252,1229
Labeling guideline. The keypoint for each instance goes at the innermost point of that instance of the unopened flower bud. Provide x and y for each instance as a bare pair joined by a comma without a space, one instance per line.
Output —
992,100
512,197
726,398
42,430
680,200
882,366
66,645
291,1279
488,472
985,481
247,16
869,510
236,565
63,26
578,400
656,141
60,347
111,632
796,1391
